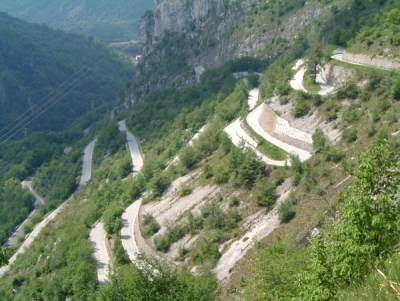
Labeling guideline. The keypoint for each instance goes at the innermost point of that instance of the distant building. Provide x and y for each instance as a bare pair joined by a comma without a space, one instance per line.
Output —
138,58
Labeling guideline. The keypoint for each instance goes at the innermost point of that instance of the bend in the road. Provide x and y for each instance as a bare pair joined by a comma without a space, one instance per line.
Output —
36,231
253,121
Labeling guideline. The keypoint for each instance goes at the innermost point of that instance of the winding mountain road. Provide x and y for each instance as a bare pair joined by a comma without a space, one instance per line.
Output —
27,183
238,135
130,215
134,148
253,121
297,81
127,232
86,173
98,234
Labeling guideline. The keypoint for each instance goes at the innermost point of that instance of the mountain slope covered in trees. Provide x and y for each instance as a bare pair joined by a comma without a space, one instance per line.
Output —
35,60
108,20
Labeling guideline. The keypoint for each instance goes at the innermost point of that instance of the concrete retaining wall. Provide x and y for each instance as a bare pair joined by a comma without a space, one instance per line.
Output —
268,121
367,60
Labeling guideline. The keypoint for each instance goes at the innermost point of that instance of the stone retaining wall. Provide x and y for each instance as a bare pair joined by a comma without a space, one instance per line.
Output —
293,141
363,59
142,244
145,247
268,121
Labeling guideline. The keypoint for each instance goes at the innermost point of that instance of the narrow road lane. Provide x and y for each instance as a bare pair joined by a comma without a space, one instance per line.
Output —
238,135
27,183
127,233
130,215
86,173
252,120
98,240
134,148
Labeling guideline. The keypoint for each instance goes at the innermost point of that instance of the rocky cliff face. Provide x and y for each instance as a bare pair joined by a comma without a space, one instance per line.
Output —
208,20
183,37
213,25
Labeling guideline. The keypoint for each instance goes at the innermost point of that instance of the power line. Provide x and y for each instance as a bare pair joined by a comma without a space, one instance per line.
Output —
48,95
45,109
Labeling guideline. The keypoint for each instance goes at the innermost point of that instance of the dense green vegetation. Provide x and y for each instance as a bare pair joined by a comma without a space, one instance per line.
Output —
52,83
117,21
349,249
15,204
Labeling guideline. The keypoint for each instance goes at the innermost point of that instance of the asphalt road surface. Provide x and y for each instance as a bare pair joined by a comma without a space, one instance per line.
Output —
134,149
98,239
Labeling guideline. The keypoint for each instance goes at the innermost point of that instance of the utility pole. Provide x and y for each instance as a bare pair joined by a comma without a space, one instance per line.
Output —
25,132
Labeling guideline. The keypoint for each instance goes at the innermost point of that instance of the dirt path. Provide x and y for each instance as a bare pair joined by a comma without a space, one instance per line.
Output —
86,172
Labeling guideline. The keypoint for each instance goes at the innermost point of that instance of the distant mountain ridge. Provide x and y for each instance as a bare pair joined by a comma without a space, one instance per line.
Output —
108,20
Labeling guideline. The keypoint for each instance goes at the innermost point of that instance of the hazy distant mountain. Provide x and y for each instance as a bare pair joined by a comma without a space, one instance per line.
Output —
109,20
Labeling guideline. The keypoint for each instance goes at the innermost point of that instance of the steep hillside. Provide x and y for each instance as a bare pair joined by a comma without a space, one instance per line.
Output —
182,38
52,76
116,21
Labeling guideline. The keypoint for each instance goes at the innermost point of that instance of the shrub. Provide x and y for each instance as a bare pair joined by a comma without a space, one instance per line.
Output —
234,201
301,108
320,140
150,224
161,243
264,192
185,189
350,135
286,212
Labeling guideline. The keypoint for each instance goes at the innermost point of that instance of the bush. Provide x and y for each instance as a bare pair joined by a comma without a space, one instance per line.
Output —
234,201
286,212
350,135
185,189
161,243
301,108
264,192
150,224
120,254
320,140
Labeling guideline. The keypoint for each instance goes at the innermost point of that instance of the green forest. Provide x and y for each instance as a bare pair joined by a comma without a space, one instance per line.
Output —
111,22
40,76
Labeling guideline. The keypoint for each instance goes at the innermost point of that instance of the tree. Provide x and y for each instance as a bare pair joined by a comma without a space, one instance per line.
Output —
320,140
274,270
366,231
155,281
317,55
4,254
